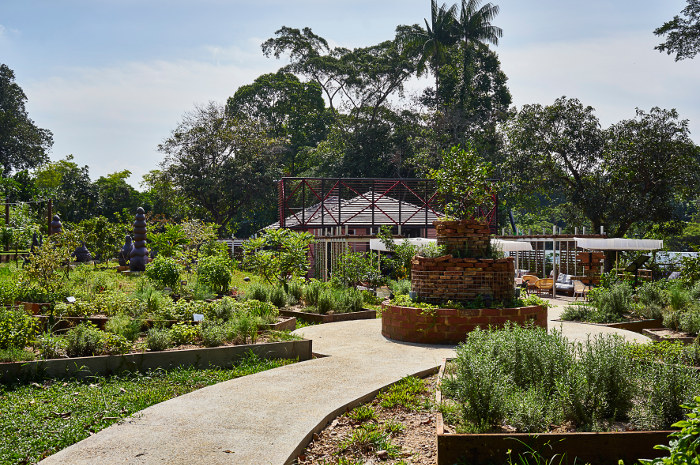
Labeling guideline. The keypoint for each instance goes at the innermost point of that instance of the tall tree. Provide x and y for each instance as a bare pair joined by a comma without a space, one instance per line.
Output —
475,30
632,172
74,194
432,43
682,33
224,166
22,144
114,194
289,109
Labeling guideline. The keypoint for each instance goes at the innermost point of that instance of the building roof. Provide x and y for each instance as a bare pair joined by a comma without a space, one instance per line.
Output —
360,211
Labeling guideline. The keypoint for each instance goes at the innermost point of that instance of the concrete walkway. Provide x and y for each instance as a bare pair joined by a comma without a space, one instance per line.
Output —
268,417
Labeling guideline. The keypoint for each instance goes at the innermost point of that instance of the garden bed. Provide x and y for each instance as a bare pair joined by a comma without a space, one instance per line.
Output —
596,448
364,314
450,326
637,326
66,322
144,361
665,334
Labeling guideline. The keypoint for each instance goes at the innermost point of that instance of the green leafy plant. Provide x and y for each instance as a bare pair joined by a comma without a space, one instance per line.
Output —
158,339
215,271
463,180
165,272
50,345
278,255
183,333
362,414
404,393
125,326
84,340
17,328
213,333
684,446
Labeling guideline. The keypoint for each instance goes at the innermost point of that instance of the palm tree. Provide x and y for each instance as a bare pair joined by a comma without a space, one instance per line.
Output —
475,30
433,42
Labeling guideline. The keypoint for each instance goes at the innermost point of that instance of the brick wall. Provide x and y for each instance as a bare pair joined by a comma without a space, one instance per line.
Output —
462,237
462,279
450,326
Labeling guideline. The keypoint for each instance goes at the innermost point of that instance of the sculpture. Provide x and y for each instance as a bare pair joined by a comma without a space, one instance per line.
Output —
55,227
125,252
82,254
138,257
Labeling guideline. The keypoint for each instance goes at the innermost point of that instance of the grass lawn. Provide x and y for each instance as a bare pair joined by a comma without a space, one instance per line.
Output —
39,419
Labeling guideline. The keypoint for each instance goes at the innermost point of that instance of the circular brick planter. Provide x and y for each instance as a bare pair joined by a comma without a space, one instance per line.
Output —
449,325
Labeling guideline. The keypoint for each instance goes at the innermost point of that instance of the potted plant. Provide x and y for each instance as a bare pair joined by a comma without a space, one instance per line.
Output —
464,182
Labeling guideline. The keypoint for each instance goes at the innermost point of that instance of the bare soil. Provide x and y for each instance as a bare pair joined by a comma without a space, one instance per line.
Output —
417,441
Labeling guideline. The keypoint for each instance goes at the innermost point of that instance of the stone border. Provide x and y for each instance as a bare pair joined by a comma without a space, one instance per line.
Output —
484,449
332,317
109,364
449,325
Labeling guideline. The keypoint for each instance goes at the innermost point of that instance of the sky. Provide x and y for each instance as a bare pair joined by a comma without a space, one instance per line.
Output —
112,78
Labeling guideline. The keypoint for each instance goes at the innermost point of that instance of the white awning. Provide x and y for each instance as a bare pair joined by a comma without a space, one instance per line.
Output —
376,244
511,246
618,244
505,246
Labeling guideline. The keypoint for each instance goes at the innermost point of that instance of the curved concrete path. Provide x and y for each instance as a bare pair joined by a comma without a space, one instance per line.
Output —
268,417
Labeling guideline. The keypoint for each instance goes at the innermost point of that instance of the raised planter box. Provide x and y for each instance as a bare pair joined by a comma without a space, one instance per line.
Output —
665,334
35,308
109,364
637,326
594,448
450,326
331,317
287,324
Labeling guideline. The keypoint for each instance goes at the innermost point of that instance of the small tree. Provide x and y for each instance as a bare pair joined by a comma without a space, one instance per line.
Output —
278,254
463,181
46,262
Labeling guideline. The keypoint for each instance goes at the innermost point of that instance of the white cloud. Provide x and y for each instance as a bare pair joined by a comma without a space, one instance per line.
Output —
113,118
614,75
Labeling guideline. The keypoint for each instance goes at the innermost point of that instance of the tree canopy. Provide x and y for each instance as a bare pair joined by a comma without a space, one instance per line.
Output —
22,144
631,172
682,33
223,165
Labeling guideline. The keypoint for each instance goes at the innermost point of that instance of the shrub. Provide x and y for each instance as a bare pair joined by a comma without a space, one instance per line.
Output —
164,271
215,272
401,287
678,298
295,291
615,302
278,296
8,290
15,354
665,387
243,328
266,311
124,326
652,299
213,334
312,291
684,445
258,292
223,309
348,300
17,328
50,346
83,340
690,320
158,339
325,302
578,311
183,333
113,344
